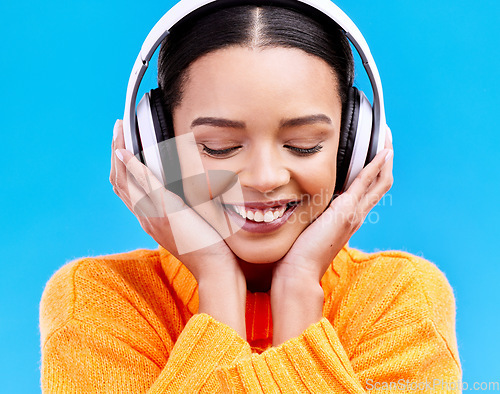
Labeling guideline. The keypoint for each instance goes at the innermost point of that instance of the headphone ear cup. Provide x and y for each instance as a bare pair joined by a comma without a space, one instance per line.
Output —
348,130
166,144
162,122
146,123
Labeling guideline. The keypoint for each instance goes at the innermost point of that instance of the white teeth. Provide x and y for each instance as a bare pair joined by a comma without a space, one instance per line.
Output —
258,215
268,217
239,210
281,211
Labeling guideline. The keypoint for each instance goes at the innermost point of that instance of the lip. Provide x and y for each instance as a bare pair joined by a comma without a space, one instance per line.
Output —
262,204
261,227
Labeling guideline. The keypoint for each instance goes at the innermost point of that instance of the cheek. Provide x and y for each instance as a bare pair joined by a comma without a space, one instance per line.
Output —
317,180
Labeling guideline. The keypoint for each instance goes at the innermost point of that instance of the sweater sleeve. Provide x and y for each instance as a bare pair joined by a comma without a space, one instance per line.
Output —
99,336
79,358
316,362
396,337
393,331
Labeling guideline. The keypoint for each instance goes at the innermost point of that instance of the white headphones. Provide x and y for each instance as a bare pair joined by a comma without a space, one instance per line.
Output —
363,130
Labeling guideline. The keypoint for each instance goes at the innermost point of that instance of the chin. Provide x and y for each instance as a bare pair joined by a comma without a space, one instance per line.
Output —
258,257
259,251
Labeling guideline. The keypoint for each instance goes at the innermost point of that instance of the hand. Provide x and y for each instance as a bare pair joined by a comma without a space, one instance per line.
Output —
156,208
296,294
222,285
315,248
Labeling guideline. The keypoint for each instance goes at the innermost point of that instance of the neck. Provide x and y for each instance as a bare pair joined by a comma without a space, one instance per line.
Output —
258,276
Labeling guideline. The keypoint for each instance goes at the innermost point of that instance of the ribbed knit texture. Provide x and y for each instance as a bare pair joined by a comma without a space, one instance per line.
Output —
128,323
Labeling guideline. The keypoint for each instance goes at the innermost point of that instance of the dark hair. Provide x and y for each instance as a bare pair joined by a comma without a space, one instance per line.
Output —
250,26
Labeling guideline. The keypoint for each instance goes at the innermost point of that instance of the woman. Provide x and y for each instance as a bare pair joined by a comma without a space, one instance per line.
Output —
282,304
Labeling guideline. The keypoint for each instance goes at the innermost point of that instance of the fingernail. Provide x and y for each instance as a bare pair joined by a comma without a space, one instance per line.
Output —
119,155
389,155
115,130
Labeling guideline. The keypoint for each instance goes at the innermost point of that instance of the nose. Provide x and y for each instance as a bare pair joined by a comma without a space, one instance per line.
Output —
265,171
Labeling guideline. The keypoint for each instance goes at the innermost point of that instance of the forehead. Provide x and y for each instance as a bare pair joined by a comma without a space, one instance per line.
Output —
276,76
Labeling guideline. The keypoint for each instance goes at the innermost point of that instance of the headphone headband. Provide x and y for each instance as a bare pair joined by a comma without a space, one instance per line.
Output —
185,7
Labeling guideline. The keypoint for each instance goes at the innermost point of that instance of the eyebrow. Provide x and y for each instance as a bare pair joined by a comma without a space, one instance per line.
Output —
305,120
218,122
226,123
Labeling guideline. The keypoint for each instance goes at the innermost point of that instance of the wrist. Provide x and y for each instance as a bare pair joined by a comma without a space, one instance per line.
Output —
299,270
222,287
295,290
213,268
295,306
224,299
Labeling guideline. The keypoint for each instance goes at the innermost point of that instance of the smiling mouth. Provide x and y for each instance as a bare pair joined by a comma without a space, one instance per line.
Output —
268,215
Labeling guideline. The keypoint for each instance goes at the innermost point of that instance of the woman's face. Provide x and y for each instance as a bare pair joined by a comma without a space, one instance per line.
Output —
271,116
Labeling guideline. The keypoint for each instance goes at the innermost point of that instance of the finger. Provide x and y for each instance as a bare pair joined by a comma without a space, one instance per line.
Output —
321,240
368,175
164,200
137,201
378,189
382,183
112,173
140,202
118,174
124,184
384,180
370,185
128,190
144,177
119,143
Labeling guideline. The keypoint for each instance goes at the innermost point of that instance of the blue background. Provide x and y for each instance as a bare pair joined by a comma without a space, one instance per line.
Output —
64,70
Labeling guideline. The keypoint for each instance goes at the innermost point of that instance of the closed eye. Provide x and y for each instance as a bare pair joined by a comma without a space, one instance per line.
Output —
223,153
304,151
219,152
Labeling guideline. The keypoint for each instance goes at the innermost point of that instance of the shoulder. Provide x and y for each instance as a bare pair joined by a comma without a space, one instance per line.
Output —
406,273
96,289
390,290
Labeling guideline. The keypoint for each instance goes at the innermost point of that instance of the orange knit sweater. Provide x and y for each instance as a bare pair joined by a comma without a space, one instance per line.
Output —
128,323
